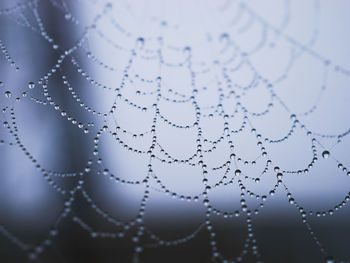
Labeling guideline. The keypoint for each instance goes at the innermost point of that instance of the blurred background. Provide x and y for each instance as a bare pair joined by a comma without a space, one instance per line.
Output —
69,68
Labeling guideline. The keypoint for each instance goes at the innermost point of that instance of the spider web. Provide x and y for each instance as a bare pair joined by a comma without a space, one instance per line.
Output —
196,106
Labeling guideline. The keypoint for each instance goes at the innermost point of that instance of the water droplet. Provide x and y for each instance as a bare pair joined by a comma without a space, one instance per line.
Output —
238,172
68,16
224,37
53,232
31,85
1,83
109,5
32,256
187,50
329,260
279,176
140,42
55,46
325,154
8,94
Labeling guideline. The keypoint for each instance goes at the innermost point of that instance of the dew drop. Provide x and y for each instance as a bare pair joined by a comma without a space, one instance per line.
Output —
329,260
32,256
53,232
68,16
206,202
109,5
325,154
31,85
140,42
8,94
238,172
224,37
187,50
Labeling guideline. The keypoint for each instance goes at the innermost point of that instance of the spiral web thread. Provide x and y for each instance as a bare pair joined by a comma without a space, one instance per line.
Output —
221,72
